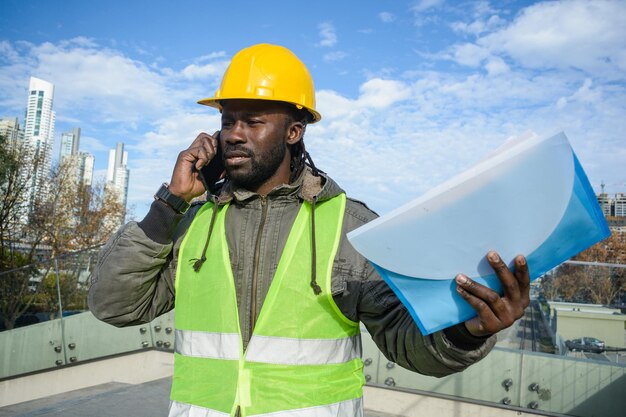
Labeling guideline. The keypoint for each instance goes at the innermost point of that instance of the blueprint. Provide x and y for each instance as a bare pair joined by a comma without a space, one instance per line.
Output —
530,197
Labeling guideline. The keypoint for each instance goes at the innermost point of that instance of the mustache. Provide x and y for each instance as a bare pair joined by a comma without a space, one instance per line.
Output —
236,150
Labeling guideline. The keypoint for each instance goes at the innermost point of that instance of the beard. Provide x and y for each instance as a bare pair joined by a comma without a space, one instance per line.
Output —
261,168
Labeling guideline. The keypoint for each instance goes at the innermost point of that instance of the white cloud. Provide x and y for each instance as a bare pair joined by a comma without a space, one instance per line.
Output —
378,93
586,35
7,52
104,82
478,26
423,5
327,34
113,97
210,70
155,153
92,145
585,94
210,57
98,83
496,66
173,133
394,139
335,56
386,17
374,95
561,103
469,54
397,139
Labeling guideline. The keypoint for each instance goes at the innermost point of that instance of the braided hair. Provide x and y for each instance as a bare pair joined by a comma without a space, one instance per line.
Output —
300,158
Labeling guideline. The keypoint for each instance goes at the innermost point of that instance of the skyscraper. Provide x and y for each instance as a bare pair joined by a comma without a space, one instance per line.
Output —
80,163
70,142
39,133
10,128
86,167
118,172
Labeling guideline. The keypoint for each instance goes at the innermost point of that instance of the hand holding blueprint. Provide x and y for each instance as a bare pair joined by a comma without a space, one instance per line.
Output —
530,197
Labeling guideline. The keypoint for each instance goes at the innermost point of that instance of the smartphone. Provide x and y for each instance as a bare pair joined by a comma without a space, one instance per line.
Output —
210,173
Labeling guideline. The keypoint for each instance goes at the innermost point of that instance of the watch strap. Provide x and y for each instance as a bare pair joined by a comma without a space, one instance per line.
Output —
178,204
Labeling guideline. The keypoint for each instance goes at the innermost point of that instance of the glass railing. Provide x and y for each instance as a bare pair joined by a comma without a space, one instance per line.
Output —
46,290
519,379
55,328
531,368
78,338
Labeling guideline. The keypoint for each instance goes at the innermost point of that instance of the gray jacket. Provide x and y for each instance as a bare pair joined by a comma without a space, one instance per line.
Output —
133,281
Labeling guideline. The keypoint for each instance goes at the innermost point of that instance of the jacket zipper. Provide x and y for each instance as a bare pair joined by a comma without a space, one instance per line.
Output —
255,272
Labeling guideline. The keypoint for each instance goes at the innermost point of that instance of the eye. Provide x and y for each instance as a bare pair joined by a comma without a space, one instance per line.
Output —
253,122
226,124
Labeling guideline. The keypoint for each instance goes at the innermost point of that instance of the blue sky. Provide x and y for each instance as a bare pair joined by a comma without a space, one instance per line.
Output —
411,92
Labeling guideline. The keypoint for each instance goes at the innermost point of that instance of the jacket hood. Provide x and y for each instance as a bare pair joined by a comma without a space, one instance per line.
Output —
323,187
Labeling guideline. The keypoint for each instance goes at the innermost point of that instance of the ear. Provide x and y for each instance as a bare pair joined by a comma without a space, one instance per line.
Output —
295,132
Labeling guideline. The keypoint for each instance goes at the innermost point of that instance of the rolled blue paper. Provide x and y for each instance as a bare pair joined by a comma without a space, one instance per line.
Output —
432,300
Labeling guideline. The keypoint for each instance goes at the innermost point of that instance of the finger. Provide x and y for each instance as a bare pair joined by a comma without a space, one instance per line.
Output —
203,149
206,154
523,279
194,151
487,321
506,277
197,156
202,136
486,295
210,145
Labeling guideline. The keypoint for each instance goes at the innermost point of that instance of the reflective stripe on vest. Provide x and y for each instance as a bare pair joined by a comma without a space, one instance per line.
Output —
344,408
303,358
267,349
208,345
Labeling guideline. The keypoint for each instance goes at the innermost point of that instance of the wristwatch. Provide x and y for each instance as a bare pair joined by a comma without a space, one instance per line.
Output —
179,205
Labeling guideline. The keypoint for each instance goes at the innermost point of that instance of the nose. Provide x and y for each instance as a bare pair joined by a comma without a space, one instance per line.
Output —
235,133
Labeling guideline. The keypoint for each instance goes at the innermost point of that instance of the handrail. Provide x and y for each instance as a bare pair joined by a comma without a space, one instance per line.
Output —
595,264
45,261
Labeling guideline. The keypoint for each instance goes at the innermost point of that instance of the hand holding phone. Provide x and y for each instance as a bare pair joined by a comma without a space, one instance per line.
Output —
198,168
211,173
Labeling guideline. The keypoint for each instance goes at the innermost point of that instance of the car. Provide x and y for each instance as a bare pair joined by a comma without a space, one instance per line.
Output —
586,344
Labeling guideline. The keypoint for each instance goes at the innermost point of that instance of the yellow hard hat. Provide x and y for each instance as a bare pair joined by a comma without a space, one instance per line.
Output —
267,72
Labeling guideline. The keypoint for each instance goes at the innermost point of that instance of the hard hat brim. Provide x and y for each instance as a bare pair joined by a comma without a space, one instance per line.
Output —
215,102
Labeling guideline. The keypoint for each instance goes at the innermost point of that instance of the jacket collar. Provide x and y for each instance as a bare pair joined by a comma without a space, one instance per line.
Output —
306,187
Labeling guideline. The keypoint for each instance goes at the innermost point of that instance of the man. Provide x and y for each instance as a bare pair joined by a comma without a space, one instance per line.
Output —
269,293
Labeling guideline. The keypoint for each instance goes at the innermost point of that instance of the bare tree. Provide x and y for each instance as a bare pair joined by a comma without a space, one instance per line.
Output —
592,283
66,216
98,215
19,238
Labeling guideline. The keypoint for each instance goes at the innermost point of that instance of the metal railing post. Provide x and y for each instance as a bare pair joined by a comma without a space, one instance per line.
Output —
58,283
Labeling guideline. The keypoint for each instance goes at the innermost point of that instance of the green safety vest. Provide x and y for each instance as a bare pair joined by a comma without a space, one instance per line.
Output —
304,356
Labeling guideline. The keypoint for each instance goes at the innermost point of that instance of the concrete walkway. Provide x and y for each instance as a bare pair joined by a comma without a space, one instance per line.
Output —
113,399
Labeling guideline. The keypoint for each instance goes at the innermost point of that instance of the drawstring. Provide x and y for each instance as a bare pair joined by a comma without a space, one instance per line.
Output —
316,288
316,171
198,262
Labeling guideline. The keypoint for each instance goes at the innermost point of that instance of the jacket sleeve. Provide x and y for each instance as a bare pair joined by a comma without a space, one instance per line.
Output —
398,337
133,280
362,295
